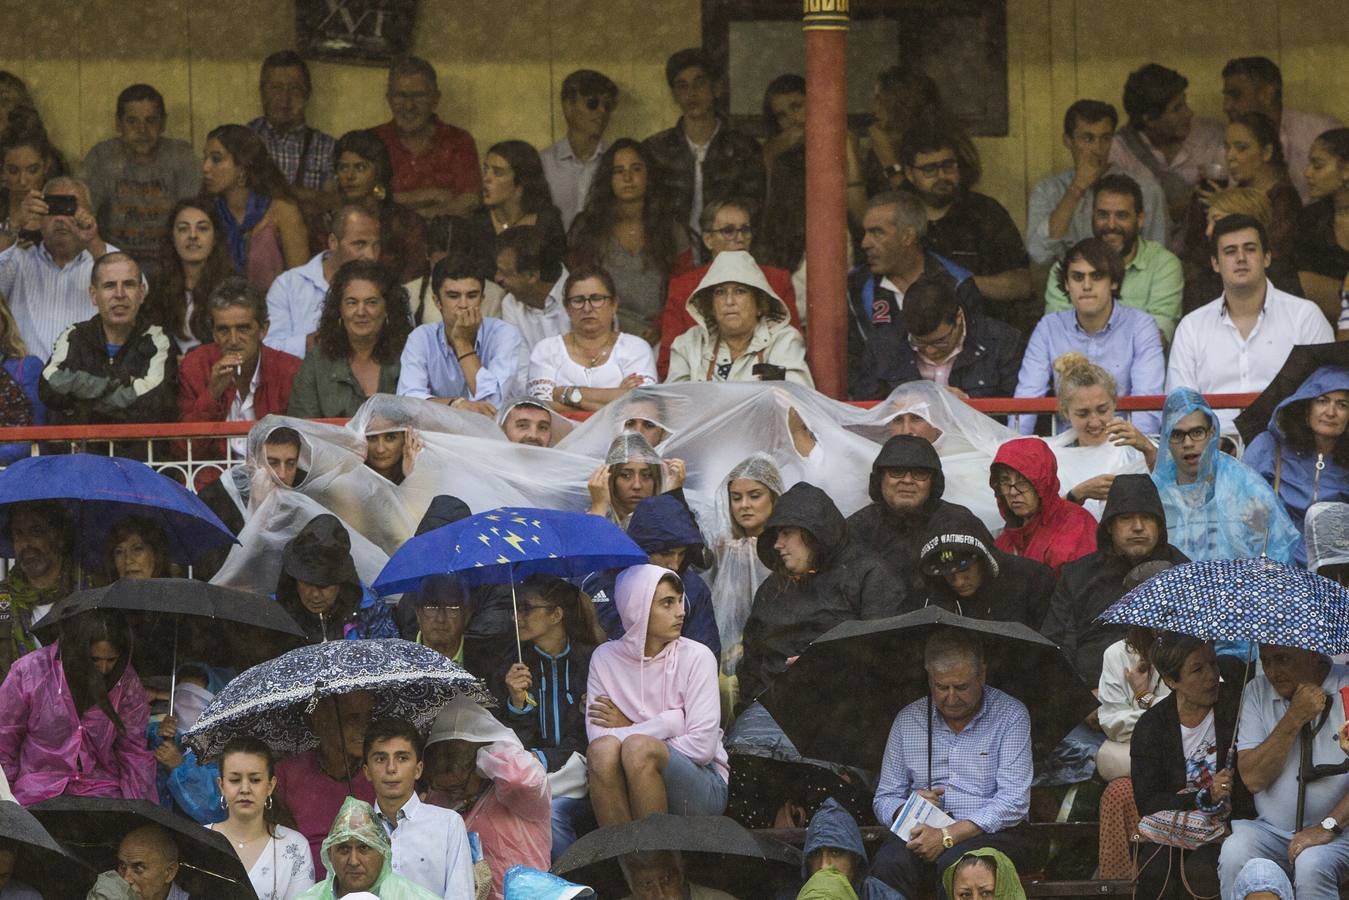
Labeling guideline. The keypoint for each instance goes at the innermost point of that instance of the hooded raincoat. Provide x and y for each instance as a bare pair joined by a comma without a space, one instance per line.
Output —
672,696
48,749
1327,535
321,554
1228,511
1061,531
832,826
1014,589
357,820
896,536
512,815
1006,883
739,570
699,354
848,581
1300,479
661,523
1090,585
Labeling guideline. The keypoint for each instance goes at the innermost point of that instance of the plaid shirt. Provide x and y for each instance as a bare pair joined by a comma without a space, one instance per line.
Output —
285,148
986,768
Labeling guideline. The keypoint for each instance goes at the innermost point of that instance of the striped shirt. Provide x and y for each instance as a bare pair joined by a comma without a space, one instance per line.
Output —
985,769
45,298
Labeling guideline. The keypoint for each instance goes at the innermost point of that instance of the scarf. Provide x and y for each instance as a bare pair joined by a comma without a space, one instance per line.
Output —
236,233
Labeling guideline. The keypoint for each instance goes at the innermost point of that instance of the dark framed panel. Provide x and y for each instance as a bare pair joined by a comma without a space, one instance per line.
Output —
365,32
962,44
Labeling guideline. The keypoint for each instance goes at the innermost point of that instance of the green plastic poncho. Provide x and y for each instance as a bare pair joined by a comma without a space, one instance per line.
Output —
1006,883
356,819
828,884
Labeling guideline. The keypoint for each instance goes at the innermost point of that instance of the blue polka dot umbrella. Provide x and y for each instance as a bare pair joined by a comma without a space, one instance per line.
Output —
1241,600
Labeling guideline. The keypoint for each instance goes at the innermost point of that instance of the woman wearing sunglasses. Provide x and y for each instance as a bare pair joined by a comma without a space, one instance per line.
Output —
594,363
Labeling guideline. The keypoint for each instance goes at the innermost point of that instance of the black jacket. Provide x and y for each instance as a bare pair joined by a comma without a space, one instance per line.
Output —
1088,586
987,365
733,167
556,725
82,385
896,537
1157,759
790,611
1014,588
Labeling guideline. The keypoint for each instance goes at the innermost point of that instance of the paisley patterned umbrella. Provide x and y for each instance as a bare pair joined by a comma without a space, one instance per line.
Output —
273,701
1241,600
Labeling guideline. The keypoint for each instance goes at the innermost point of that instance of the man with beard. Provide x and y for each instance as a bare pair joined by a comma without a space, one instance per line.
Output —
43,573
1132,532
1154,281
970,229
906,487
528,422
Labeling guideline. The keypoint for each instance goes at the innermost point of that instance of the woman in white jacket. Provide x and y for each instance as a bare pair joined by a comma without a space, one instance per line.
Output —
741,323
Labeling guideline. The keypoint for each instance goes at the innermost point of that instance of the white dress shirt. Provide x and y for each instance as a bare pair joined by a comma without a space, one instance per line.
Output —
536,324
430,848
1210,355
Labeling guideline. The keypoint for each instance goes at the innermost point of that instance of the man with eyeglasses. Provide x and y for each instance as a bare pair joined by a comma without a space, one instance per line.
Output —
726,225
588,100
906,489
435,165
302,153
1132,532
970,229
969,354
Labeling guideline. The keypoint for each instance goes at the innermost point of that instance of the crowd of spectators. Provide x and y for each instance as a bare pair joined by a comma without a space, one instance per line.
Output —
292,273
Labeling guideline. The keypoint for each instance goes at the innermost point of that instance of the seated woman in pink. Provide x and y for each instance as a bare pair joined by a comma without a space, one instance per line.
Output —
653,722
73,717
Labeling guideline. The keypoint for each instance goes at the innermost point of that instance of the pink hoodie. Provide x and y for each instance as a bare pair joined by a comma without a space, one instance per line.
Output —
673,695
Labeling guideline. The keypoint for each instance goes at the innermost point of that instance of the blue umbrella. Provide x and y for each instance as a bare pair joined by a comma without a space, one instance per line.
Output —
100,491
510,543
1241,600
273,700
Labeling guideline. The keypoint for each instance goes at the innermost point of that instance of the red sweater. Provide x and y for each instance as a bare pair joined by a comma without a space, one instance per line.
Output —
675,318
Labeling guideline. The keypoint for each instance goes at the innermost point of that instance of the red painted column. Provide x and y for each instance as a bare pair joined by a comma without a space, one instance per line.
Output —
825,23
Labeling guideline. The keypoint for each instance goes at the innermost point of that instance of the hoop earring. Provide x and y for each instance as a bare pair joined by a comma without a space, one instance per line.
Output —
223,804
268,805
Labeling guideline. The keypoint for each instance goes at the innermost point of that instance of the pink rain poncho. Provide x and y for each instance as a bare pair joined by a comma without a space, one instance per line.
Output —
48,749
513,817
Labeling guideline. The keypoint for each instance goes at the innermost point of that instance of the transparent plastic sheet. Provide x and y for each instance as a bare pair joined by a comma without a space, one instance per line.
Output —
739,571
562,426
1327,535
963,428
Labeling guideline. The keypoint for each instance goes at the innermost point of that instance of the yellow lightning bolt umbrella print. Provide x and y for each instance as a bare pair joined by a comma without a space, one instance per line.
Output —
515,541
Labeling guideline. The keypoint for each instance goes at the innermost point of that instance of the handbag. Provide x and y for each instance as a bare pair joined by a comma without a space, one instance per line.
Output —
1188,829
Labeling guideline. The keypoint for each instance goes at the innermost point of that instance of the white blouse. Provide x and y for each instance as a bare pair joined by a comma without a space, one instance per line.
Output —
285,868
551,366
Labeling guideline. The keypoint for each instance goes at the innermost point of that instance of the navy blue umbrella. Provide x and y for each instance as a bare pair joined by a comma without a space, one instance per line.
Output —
99,492
1241,600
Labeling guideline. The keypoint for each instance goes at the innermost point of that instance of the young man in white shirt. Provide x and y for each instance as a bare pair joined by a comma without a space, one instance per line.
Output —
430,844
1238,342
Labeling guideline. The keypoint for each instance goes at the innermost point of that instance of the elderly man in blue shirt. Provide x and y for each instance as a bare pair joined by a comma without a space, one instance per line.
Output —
1120,339
467,360
965,748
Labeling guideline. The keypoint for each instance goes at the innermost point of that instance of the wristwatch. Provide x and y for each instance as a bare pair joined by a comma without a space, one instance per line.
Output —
1329,824
571,396
948,842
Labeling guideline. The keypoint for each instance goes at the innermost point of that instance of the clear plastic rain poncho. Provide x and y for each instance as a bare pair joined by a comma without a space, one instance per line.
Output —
739,571
1327,535
356,820
1229,511
562,426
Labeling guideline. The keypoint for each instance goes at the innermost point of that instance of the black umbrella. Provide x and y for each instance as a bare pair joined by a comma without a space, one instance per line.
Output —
839,699
41,863
93,827
258,626
1302,360
718,853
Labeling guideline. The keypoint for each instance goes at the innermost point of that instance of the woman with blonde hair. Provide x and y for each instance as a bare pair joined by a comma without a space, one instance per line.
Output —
19,377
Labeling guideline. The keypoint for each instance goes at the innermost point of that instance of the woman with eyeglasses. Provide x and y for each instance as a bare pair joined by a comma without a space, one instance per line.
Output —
1041,525
594,363
1216,506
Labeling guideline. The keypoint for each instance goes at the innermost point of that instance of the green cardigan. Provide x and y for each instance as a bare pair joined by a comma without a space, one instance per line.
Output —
325,388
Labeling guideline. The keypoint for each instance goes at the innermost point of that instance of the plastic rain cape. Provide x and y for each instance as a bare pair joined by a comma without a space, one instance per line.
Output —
1327,534
739,571
1229,511
356,820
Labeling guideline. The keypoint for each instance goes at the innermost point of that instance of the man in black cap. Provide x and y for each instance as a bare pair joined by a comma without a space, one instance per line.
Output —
1132,532
319,586
906,487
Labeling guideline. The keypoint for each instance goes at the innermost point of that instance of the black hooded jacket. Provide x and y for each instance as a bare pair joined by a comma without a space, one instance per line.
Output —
897,537
320,554
1088,586
1014,589
790,611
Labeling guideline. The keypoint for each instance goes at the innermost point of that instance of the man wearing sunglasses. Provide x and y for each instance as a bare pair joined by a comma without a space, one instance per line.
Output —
588,100
970,229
